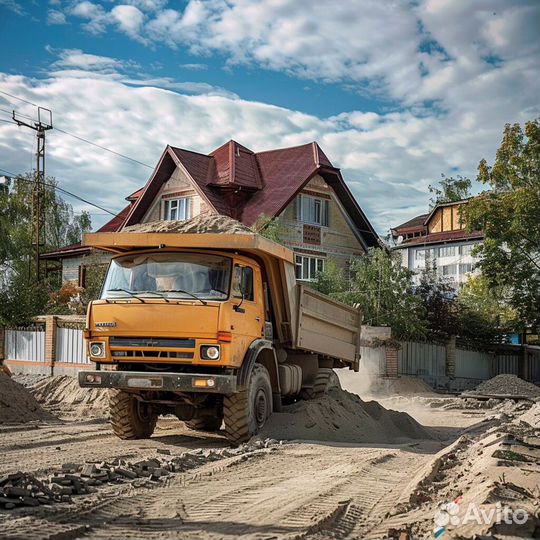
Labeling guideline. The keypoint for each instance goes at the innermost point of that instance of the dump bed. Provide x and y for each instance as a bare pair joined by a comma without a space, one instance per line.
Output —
305,319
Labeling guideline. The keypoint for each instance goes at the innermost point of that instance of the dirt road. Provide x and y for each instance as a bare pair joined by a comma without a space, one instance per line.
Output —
294,489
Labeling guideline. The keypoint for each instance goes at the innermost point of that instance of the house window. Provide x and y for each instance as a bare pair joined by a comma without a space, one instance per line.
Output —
449,270
465,268
447,251
177,209
308,267
466,249
420,254
312,210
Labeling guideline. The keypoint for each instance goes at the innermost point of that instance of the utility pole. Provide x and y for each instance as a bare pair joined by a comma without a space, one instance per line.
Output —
43,124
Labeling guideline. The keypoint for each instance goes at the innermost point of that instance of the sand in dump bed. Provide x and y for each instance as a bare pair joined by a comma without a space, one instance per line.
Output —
507,384
203,223
63,396
17,404
343,417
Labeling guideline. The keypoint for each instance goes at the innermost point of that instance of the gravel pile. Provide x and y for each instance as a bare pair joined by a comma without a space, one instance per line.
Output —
23,489
203,223
507,385
17,404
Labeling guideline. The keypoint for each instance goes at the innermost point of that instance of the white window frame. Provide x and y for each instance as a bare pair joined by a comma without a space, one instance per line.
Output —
177,209
313,210
308,267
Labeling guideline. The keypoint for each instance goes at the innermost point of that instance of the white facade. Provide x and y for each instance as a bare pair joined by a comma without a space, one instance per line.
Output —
454,262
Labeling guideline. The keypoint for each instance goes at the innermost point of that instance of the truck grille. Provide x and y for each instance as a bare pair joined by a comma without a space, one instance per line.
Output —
153,354
152,342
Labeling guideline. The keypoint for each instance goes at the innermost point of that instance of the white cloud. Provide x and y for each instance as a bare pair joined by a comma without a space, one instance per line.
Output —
388,159
56,17
77,59
130,20
96,17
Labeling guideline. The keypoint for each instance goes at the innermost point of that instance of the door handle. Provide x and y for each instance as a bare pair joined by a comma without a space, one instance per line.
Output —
257,318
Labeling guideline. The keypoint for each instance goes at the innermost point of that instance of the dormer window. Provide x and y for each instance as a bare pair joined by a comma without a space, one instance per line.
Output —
177,209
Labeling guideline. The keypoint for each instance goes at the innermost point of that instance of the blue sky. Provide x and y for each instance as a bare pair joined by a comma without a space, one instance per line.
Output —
396,93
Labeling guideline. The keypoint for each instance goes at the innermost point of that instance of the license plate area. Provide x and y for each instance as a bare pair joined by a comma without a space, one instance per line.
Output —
145,382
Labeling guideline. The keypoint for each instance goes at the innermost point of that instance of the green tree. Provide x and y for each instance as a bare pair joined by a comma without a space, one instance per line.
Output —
383,290
21,296
450,189
270,228
332,280
509,215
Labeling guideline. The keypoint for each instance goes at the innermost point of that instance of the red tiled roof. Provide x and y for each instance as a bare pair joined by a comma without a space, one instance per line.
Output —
448,236
242,184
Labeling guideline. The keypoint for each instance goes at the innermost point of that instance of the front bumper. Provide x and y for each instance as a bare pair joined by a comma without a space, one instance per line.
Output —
171,382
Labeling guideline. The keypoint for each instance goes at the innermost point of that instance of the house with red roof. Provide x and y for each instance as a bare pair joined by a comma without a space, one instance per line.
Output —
438,238
299,186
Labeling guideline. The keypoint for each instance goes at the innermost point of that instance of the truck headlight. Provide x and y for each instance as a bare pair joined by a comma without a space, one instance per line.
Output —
210,352
97,349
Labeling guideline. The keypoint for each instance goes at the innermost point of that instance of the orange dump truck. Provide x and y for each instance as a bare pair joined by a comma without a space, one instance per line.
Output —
212,328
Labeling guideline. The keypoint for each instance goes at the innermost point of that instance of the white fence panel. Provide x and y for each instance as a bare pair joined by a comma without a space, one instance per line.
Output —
28,345
373,359
473,364
70,347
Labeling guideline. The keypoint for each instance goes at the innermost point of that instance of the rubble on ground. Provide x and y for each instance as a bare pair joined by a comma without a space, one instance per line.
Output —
506,385
23,489
18,405
203,223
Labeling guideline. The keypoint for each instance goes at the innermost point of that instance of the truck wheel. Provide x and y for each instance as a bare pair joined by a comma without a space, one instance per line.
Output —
324,380
205,423
130,418
246,412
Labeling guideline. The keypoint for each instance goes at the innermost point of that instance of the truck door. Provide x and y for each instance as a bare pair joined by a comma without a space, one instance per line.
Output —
248,312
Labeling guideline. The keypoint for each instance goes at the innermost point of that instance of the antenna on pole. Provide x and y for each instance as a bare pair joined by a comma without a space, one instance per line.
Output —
43,124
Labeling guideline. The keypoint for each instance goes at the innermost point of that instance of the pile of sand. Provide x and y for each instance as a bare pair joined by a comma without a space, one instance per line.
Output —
17,405
343,417
507,385
203,223
63,396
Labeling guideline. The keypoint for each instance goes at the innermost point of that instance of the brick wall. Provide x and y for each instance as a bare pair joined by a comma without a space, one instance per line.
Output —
391,361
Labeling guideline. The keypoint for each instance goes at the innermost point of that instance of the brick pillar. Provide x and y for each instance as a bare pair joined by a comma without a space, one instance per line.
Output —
2,343
450,363
50,341
391,360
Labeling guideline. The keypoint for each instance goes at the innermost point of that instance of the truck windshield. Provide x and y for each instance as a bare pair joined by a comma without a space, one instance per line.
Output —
171,275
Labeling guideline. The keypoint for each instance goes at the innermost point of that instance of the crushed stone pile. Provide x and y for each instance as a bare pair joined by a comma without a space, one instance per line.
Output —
507,385
343,417
18,405
63,396
23,489
203,223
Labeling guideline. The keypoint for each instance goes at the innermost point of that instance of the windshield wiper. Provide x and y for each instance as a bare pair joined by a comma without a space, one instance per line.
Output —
188,293
127,292
157,293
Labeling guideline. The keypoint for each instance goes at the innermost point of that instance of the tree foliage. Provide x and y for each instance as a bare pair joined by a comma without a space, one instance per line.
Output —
270,228
509,215
21,296
450,189
382,288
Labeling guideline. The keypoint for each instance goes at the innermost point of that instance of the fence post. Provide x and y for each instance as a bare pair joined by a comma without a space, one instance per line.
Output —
450,363
2,344
51,322
391,353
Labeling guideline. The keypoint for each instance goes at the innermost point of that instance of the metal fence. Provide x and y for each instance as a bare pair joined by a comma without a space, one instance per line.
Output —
26,344
70,347
424,360
473,364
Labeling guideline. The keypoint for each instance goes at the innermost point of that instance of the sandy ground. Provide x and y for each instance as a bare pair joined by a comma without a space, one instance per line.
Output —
291,489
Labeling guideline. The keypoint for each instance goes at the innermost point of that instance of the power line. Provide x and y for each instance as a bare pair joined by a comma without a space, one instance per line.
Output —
19,177
19,98
104,148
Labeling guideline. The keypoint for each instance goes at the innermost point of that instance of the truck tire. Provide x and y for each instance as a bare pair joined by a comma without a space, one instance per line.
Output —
246,412
204,423
130,418
325,380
